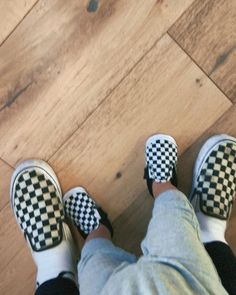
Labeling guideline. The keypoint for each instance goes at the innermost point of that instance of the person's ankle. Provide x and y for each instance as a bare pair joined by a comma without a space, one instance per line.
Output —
159,188
211,229
101,232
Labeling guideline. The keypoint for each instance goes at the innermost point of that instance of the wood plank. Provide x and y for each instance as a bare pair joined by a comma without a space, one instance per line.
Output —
131,226
207,31
12,240
18,278
11,13
8,246
54,79
106,153
5,177
8,228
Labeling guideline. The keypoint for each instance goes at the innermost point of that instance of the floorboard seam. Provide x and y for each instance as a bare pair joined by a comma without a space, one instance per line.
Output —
5,162
13,30
107,96
195,62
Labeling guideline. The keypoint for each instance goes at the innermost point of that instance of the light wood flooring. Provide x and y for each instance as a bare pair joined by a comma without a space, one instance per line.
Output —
82,87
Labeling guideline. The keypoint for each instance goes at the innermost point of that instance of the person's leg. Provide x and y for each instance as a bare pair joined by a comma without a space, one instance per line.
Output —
173,232
173,235
99,257
36,201
225,263
214,187
58,286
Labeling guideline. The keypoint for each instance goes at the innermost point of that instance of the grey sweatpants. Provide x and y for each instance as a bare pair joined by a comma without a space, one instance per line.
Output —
174,260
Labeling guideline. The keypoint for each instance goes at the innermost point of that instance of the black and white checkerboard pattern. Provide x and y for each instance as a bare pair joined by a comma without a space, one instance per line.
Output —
83,211
161,159
38,209
216,184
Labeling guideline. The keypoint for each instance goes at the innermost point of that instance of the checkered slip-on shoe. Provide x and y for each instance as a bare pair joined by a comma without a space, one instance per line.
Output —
36,200
84,212
161,160
214,177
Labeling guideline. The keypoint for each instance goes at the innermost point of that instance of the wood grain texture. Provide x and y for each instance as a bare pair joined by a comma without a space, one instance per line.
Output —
207,32
12,239
18,278
55,78
106,153
11,13
131,226
5,177
8,245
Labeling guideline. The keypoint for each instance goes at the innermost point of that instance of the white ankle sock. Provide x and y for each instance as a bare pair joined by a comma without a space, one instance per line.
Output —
211,229
50,263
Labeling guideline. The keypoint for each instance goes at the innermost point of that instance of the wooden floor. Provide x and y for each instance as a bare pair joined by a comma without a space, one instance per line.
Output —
83,85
